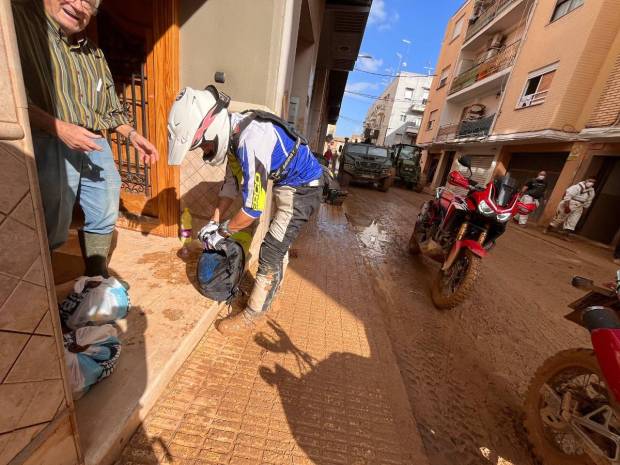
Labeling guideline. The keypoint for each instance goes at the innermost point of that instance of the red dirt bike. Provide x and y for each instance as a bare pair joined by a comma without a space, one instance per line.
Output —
571,408
459,231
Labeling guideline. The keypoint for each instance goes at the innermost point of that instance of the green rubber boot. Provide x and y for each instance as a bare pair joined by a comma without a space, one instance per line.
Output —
95,249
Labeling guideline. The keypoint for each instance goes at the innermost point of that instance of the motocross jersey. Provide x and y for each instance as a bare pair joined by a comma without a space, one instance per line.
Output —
263,148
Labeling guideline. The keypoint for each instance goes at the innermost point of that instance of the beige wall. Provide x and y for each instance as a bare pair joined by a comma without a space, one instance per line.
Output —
35,400
448,56
579,43
252,48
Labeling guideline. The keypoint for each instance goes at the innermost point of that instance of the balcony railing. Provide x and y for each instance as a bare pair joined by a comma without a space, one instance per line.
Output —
412,128
465,129
447,132
504,59
487,16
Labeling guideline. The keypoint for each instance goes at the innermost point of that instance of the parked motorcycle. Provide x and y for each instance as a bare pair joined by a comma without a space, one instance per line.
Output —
571,409
458,231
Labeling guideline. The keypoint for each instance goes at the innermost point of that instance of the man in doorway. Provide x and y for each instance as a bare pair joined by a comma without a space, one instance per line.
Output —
72,101
576,199
258,149
532,192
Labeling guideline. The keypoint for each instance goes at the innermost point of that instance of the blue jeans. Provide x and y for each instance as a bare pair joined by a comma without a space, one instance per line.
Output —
66,175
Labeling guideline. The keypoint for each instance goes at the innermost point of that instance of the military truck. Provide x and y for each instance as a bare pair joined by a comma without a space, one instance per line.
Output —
366,163
406,159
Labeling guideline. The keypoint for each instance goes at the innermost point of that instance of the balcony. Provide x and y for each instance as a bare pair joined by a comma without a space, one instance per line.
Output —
418,106
412,128
503,60
487,16
465,130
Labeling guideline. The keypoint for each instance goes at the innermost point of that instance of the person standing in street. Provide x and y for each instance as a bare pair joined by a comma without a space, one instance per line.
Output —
259,147
532,192
72,101
576,199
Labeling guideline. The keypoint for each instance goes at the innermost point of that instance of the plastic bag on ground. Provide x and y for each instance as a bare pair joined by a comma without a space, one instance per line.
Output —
91,354
95,301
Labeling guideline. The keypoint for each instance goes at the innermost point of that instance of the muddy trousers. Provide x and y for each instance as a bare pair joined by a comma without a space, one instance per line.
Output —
567,220
294,207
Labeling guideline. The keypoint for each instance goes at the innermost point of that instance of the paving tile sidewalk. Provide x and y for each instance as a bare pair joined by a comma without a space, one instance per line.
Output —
318,384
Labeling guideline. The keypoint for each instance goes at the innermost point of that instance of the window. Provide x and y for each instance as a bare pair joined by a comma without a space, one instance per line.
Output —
443,79
431,120
536,88
425,97
403,117
458,27
409,93
564,7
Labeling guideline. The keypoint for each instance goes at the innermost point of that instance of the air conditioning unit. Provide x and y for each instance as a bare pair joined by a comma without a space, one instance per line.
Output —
497,40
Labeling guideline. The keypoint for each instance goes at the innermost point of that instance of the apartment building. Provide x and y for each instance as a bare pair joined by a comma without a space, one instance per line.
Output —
525,85
395,117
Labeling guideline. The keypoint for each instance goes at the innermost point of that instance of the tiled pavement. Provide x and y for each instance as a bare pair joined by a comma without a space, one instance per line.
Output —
318,384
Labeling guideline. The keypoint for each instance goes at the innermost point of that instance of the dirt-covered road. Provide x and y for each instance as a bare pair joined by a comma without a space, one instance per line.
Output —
466,370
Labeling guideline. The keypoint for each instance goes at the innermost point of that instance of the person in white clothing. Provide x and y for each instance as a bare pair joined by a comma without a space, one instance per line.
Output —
576,198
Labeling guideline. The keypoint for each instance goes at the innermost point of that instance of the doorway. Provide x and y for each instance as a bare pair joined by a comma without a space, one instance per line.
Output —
602,221
524,166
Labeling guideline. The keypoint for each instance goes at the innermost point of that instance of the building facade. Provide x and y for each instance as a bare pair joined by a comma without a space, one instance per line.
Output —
395,117
525,85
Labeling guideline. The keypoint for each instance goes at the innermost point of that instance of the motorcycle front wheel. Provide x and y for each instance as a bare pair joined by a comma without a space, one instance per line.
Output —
454,285
554,442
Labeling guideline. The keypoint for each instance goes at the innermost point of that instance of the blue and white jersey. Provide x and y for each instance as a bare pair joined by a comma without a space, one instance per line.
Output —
263,148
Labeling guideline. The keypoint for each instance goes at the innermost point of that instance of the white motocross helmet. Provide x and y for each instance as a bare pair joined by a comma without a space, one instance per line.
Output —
199,119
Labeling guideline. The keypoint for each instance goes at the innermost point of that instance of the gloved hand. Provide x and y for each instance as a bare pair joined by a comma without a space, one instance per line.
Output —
213,240
207,230
567,208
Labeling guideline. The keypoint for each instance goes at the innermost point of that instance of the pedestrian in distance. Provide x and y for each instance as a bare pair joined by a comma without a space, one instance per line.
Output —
259,147
533,191
576,199
72,103
329,154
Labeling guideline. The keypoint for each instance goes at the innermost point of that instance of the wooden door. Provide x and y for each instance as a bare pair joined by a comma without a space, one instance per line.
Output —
140,41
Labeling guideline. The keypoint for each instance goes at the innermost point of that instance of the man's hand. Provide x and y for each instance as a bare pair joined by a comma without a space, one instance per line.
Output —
76,137
148,152
567,208
206,231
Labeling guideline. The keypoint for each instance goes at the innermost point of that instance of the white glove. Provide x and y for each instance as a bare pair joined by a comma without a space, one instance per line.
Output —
213,240
207,230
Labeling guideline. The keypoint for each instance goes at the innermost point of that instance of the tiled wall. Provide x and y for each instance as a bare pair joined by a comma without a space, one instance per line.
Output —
34,397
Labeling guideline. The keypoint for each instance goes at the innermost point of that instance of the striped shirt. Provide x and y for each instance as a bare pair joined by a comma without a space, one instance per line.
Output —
67,78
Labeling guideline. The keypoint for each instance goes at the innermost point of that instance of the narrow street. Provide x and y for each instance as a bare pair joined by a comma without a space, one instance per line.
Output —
356,366
466,370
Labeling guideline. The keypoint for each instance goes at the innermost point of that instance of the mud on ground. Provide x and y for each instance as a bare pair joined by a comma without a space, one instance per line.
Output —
466,370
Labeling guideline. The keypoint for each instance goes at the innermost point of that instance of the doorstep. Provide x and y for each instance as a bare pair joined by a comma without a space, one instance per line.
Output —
168,317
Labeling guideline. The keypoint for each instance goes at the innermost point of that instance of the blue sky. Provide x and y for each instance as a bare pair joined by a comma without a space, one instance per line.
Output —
422,22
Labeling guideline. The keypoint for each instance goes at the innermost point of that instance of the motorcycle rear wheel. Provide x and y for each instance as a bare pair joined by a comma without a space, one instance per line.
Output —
549,444
448,291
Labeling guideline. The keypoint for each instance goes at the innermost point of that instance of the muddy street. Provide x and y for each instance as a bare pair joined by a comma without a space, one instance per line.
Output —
466,370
